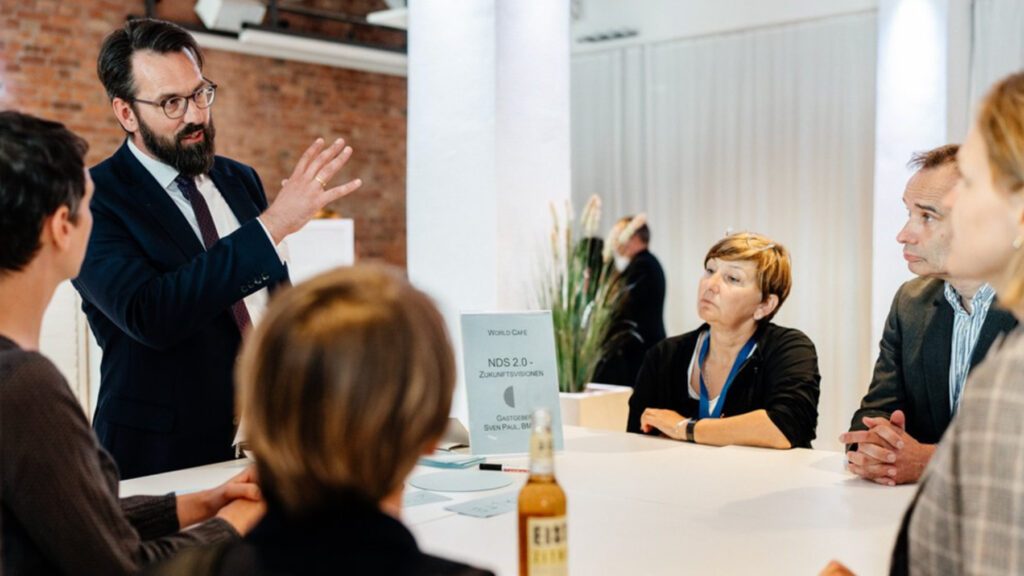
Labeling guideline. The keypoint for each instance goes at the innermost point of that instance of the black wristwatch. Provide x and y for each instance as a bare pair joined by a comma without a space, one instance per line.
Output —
690,425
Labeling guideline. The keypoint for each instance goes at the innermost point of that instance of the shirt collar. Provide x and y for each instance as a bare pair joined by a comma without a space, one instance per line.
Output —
163,173
981,299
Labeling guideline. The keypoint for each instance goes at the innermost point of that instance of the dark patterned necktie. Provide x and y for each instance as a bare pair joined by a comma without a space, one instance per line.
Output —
209,232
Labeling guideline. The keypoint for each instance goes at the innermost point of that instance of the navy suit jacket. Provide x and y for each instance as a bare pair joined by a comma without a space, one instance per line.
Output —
160,308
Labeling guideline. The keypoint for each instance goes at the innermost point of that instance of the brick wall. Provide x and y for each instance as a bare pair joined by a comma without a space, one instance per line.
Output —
267,110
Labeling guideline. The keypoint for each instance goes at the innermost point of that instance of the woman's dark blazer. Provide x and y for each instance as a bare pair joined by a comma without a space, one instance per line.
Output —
781,376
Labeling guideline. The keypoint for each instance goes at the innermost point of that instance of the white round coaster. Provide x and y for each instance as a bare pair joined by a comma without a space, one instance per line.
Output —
461,481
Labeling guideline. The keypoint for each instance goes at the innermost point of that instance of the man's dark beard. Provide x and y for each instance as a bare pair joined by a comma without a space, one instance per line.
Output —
192,159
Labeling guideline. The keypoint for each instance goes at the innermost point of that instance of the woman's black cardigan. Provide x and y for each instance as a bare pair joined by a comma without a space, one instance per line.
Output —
781,376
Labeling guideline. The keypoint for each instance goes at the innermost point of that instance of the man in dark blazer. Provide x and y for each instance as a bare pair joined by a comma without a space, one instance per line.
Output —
642,316
183,253
938,328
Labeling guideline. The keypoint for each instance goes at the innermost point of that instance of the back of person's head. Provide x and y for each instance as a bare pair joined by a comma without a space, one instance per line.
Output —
114,65
774,269
347,380
942,156
642,233
42,167
1001,125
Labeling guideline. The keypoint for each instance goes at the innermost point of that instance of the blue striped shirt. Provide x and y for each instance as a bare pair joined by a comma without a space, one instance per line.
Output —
966,329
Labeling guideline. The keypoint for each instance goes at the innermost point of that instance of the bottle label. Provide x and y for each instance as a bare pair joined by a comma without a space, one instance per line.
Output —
547,551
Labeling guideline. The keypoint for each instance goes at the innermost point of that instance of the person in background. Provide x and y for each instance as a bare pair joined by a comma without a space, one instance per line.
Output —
345,384
589,250
643,309
59,506
183,255
739,378
939,327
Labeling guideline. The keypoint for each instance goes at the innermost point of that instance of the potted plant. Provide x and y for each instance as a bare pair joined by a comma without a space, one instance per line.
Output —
578,283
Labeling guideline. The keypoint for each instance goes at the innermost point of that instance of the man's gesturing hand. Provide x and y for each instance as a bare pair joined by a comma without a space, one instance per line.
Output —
305,192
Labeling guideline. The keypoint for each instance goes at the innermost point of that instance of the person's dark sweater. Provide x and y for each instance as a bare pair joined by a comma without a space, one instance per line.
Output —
781,377
350,535
59,506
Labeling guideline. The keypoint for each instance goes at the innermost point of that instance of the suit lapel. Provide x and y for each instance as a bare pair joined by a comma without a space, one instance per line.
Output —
145,190
235,195
936,347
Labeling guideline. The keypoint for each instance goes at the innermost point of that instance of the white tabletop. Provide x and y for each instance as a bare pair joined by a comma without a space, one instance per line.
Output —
640,505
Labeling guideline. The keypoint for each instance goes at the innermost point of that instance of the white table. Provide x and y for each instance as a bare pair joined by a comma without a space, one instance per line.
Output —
640,505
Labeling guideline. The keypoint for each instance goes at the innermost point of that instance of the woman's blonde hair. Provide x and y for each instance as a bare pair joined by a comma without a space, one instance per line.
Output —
343,385
774,271
1001,126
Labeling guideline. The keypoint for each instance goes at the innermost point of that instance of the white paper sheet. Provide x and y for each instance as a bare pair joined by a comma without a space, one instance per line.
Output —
319,246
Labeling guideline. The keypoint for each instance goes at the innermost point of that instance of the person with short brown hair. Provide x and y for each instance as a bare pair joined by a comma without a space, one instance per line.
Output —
739,378
366,356
344,385
967,515
939,327
59,488
943,156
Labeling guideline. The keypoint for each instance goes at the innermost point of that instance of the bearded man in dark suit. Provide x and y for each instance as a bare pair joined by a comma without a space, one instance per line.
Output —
184,252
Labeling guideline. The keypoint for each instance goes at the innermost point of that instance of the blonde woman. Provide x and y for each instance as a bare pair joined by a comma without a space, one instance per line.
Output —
345,383
739,378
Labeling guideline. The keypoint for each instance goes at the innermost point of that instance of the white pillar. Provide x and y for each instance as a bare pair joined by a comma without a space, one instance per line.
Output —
488,148
532,136
959,31
921,78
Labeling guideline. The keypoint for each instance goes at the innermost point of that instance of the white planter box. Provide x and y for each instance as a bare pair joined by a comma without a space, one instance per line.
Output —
604,406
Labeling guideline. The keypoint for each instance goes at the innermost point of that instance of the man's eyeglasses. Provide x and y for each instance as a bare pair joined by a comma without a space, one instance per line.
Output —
176,106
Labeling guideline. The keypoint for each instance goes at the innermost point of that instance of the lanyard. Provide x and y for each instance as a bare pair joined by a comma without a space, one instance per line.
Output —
745,353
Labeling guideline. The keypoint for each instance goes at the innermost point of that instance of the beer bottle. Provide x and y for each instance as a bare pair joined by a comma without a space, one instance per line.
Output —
543,549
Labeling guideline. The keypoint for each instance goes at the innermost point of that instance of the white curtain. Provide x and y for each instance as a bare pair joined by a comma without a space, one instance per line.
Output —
768,130
997,44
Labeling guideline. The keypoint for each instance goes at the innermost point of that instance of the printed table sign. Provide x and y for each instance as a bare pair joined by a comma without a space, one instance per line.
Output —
511,371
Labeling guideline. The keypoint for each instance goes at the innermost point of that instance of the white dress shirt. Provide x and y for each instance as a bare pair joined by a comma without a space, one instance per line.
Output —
223,218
